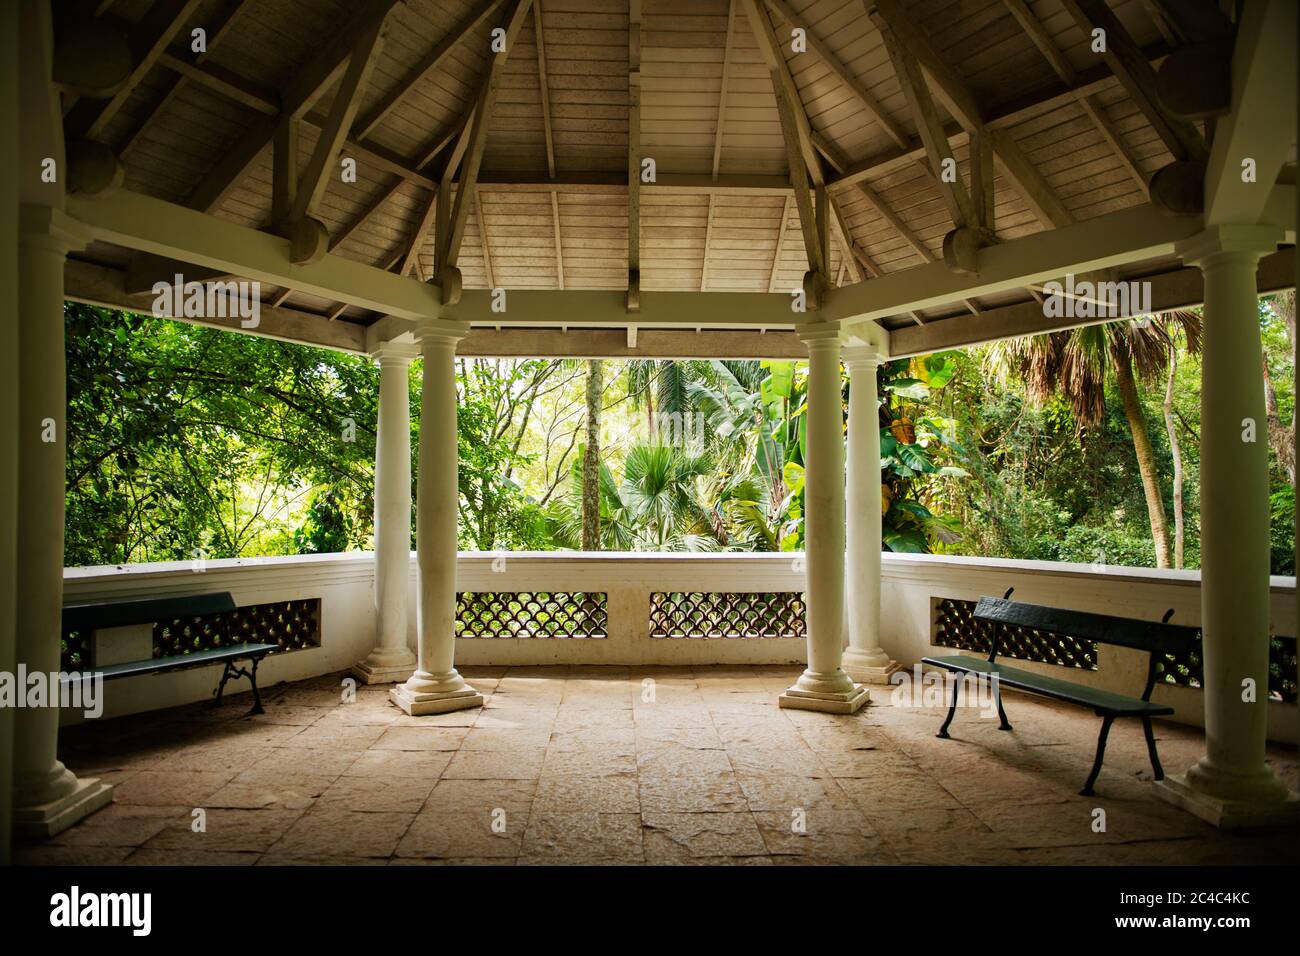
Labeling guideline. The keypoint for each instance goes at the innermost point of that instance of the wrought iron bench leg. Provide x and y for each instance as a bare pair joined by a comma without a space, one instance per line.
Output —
1106,721
952,711
1151,749
257,698
226,673
1002,714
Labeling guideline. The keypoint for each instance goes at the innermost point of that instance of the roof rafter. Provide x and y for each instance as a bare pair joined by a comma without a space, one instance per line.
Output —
859,89
722,91
633,300
428,63
1180,137
544,87
148,40
559,242
478,130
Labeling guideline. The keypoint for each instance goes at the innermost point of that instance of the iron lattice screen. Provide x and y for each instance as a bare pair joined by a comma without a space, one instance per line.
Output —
1187,670
531,614
955,626
727,614
292,625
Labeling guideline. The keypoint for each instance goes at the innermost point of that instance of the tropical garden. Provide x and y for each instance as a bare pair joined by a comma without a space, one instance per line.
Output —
186,442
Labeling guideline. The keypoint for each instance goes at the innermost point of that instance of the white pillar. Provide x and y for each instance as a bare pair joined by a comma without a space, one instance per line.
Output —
392,660
823,685
1231,785
48,798
864,660
436,687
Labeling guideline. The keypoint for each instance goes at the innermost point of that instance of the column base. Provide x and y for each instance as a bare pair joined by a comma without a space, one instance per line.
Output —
846,702
1227,813
44,820
385,668
868,668
423,703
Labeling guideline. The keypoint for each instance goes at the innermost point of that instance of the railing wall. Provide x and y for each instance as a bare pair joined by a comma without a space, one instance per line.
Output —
660,609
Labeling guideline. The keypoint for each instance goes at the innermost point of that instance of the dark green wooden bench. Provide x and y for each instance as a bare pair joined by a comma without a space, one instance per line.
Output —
1157,638
125,613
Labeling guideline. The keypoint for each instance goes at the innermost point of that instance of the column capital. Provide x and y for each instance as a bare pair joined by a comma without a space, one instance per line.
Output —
392,351
53,226
434,331
1205,246
820,334
865,356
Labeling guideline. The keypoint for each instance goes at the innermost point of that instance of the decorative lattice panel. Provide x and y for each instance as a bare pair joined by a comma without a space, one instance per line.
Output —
531,614
956,626
727,614
1187,670
292,625
75,650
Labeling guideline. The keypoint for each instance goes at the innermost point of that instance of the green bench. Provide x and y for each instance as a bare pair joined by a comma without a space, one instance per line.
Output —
1157,638
126,613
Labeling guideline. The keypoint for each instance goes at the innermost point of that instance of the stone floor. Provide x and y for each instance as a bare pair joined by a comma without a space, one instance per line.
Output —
619,765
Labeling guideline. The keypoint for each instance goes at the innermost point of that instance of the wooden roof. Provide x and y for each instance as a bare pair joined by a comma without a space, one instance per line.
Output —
549,207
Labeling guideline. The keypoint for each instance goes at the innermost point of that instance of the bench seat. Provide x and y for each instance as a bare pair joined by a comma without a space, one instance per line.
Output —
160,665
1102,701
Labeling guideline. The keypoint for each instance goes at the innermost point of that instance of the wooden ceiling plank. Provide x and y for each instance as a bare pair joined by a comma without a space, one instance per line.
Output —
1028,181
845,238
780,241
708,236
949,87
483,240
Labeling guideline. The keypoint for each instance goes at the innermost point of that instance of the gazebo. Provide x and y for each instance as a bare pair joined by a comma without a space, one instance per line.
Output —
846,181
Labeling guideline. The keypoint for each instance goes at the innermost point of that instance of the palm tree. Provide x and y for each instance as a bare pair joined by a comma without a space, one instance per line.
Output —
1077,362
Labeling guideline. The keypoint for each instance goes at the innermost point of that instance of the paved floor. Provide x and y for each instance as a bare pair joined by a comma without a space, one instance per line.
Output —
596,765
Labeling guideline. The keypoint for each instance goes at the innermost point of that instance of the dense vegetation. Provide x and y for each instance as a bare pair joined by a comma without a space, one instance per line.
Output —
187,442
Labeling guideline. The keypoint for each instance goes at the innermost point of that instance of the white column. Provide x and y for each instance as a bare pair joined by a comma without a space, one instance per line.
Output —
392,660
436,687
48,798
1231,785
864,660
823,685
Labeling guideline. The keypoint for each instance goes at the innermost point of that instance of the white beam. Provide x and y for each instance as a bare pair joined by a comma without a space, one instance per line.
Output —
1130,235
152,225
1262,124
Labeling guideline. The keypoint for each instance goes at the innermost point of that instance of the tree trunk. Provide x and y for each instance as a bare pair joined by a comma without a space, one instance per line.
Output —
1146,457
591,459
1177,456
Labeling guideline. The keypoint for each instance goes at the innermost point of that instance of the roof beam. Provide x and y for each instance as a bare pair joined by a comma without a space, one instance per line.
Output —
309,83
614,344
216,31
469,166
483,240
544,87
1130,235
801,156
708,236
428,63
1180,137
722,91
332,136
1028,181
950,88
1262,123
780,241
148,39
559,241
859,89
104,286
1177,289
632,301
607,309
151,225
937,147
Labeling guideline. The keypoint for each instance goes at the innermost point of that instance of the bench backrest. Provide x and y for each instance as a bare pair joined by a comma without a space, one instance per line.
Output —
1154,636
122,613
